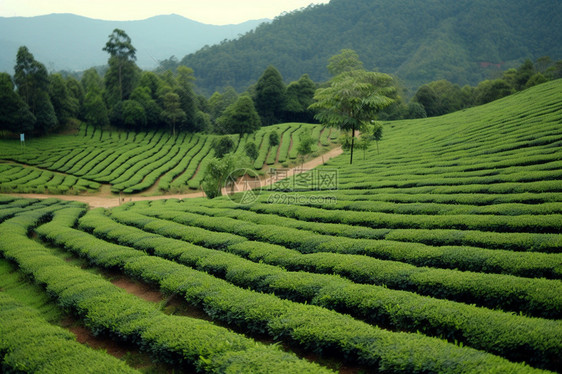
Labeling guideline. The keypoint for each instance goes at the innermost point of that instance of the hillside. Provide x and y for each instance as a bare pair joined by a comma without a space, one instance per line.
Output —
441,254
131,162
462,41
74,43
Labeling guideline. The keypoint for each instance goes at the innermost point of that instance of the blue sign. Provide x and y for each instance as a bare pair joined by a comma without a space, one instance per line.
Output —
22,137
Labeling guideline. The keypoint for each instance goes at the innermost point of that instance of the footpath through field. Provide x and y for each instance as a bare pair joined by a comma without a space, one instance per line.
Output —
96,201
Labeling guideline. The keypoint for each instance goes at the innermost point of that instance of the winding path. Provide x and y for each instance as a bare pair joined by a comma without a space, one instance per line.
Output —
109,201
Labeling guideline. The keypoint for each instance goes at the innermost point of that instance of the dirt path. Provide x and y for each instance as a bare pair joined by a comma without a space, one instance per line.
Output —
104,201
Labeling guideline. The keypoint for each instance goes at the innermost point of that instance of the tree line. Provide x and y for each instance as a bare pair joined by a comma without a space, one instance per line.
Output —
442,97
124,96
417,41
34,101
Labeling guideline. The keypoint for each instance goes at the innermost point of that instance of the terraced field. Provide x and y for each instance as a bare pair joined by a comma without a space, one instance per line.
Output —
441,254
133,163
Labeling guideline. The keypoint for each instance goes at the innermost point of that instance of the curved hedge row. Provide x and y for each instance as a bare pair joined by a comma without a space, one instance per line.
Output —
542,297
111,310
312,327
181,182
515,337
30,344
548,223
435,237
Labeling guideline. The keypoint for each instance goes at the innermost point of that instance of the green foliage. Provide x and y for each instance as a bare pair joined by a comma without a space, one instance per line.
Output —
270,96
251,150
273,138
223,145
94,110
64,104
346,61
219,102
417,42
353,99
300,95
305,146
240,117
218,174
15,115
46,118
488,91
172,113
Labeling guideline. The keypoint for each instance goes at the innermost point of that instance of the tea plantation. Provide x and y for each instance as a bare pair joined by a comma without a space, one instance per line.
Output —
134,162
439,253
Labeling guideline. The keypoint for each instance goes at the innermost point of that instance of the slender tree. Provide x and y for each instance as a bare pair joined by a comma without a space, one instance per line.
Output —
240,117
300,95
184,89
122,69
94,110
377,134
305,147
270,97
14,113
32,81
352,100
172,113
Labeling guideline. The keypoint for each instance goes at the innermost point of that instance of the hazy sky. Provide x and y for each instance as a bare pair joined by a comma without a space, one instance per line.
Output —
217,12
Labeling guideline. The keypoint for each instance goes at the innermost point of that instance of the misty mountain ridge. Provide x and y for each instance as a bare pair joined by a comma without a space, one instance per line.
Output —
418,41
74,43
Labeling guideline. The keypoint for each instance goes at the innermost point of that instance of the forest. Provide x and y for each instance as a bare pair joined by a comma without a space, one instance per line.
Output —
124,96
443,56
463,41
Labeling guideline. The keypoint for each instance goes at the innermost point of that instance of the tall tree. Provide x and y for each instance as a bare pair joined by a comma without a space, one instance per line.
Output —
300,95
270,97
32,81
45,114
353,100
141,94
91,81
377,134
64,104
15,115
240,117
94,110
123,72
184,90
172,113
218,102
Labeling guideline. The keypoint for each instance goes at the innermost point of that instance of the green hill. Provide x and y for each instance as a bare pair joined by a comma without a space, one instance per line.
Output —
133,162
441,254
462,41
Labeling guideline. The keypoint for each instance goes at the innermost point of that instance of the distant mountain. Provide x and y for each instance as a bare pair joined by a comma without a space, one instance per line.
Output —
419,41
71,42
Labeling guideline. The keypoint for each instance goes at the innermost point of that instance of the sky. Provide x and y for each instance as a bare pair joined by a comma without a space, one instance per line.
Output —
216,12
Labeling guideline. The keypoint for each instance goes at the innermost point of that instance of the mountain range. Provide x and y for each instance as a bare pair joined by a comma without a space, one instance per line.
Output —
418,41
74,43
